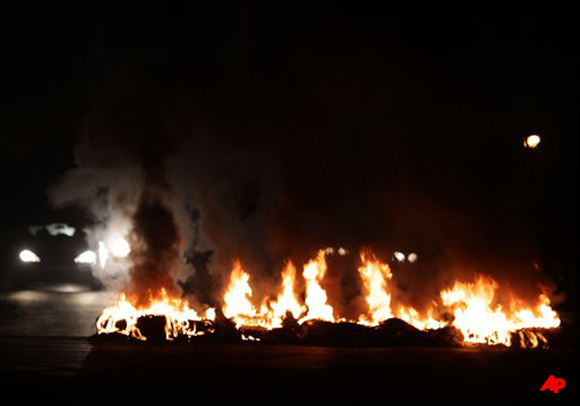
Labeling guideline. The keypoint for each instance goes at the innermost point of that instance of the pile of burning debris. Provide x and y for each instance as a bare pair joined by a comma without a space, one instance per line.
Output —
153,329
467,314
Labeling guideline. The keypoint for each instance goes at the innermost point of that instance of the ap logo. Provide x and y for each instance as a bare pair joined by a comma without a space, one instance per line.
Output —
553,384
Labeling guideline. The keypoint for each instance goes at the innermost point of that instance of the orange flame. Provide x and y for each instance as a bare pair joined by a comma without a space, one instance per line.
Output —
420,321
481,320
375,276
237,303
316,298
123,316
286,301
475,307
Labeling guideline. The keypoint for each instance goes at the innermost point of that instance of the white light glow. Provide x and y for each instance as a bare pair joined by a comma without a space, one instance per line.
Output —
210,314
28,256
103,254
532,141
412,257
87,257
399,256
119,248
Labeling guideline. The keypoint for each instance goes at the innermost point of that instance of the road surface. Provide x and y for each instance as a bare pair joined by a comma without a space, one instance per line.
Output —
43,344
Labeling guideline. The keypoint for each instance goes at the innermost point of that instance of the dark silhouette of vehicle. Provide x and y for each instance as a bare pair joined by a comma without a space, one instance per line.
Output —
52,256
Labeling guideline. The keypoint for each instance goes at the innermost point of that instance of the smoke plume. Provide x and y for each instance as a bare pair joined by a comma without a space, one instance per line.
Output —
201,161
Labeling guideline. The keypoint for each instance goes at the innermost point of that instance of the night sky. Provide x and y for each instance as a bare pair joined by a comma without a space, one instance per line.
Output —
311,125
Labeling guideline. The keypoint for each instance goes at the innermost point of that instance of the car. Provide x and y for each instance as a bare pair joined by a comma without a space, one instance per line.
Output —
53,256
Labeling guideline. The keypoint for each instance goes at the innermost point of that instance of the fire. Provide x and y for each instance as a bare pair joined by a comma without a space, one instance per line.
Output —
286,301
473,308
420,321
375,276
315,295
482,320
122,318
237,303
238,306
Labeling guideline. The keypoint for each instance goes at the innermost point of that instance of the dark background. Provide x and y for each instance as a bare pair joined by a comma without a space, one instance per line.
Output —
291,127
379,119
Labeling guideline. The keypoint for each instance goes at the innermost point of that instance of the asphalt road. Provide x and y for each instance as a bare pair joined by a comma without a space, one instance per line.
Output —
58,312
43,344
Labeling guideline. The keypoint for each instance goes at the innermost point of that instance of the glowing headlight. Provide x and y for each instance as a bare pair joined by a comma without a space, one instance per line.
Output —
119,248
28,256
87,257
399,256
412,257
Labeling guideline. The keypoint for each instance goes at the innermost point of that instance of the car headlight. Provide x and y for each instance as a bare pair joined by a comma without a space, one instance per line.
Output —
399,256
28,256
87,257
119,248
